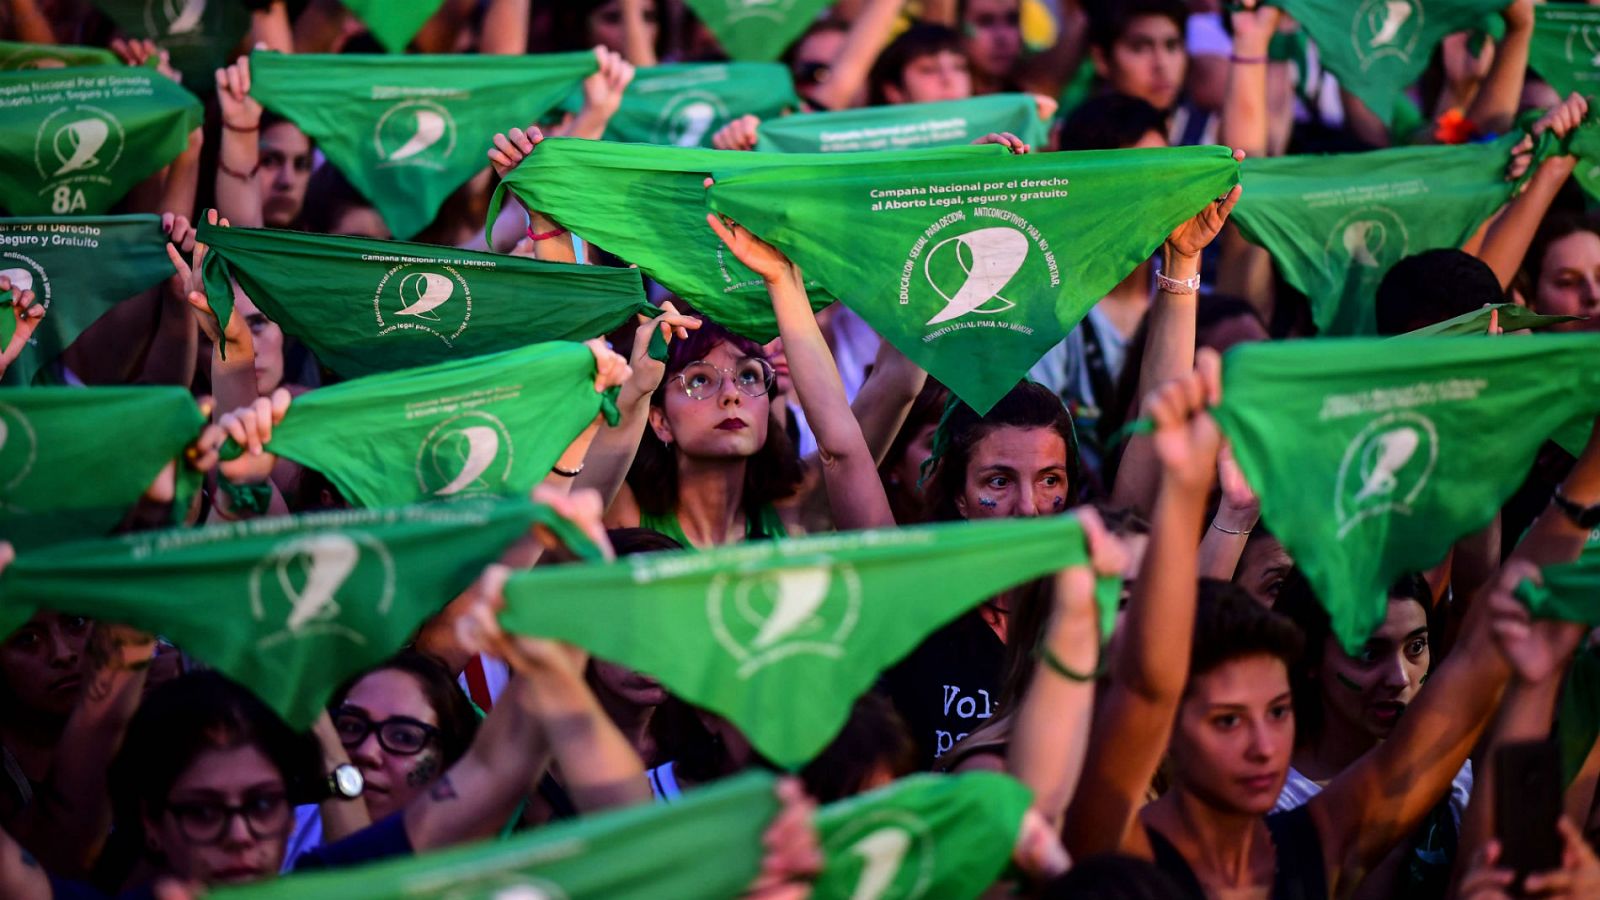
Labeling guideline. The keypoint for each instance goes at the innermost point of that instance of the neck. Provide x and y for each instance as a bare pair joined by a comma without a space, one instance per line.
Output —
711,500
1221,842
1339,746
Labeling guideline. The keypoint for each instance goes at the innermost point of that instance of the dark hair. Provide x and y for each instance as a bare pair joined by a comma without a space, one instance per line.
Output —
698,754
905,500
1556,226
1298,603
1230,624
1434,286
634,541
1109,20
458,720
329,195
1110,122
773,473
1028,405
1112,876
185,717
873,736
921,39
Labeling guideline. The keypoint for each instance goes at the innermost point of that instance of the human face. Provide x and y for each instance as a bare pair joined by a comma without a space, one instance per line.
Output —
182,830
268,340
813,61
629,686
993,36
1147,62
285,169
1262,568
1569,281
1015,472
41,663
908,469
361,221
728,425
606,29
1370,692
392,780
1234,735
936,76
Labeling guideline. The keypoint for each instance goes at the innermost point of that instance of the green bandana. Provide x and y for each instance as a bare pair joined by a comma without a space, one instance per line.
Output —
603,191
409,130
1565,50
1512,318
1371,463
15,57
73,461
73,141
735,629
993,261
200,35
1336,224
943,124
289,606
366,306
1571,593
484,425
922,836
757,29
394,24
685,104
706,845
78,268
1578,719
1377,48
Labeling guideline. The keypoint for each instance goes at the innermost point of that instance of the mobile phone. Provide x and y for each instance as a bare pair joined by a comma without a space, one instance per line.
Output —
1527,803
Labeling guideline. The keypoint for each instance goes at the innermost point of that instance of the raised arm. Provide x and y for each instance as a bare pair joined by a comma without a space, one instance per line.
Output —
1051,734
1495,104
26,316
639,50
1170,343
611,370
1236,516
866,38
238,159
270,29
32,26
602,95
505,28
855,494
1150,664
1508,237
550,241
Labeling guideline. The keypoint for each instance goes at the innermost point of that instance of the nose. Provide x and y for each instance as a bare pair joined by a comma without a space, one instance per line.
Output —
1028,501
728,394
1263,743
1591,295
1394,675
63,652
367,754
237,832
283,179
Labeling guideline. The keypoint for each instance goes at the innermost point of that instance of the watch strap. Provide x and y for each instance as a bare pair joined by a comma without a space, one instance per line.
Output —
1585,517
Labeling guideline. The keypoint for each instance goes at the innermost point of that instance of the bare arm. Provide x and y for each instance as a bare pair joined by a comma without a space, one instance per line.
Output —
1508,236
867,36
1051,734
238,197
1495,104
855,494
1151,661
319,26
885,398
171,358
639,50
270,28
602,95
1230,528
505,28
30,23
340,817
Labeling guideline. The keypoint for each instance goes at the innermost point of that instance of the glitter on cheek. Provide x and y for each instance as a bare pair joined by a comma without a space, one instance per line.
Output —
987,502
1059,502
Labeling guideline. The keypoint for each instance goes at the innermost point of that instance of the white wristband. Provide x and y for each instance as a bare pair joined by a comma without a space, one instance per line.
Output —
1188,285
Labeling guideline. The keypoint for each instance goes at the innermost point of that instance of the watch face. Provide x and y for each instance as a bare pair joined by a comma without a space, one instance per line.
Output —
349,781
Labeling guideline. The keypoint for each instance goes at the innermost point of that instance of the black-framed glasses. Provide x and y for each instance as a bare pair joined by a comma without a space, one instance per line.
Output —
265,814
752,376
400,735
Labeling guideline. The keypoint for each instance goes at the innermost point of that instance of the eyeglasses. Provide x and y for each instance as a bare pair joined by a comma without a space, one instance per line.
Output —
400,735
701,380
265,815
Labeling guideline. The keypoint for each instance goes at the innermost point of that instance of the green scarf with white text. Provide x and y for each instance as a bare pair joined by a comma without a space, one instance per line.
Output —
905,126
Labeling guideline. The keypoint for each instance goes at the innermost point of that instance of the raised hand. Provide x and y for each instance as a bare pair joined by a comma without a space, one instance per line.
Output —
1239,503
251,428
26,314
793,854
1253,26
511,148
1196,234
740,134
138,52
648,372
583,508
759,256
240,111
478,631
1186,438
237,331
1007,140
602,91
610,369
1536,649
1560,119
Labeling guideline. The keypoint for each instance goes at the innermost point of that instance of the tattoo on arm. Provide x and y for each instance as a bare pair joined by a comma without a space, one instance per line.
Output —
424,772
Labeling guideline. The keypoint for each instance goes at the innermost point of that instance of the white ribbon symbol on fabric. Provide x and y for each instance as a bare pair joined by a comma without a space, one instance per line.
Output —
329,558
1396,12
996,255
483,445
430,290
430,128
83,140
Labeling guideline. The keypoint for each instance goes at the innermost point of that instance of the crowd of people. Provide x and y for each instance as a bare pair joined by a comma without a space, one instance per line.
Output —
1210,731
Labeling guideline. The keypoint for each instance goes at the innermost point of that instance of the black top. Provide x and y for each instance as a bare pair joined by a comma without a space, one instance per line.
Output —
949,686
1300,871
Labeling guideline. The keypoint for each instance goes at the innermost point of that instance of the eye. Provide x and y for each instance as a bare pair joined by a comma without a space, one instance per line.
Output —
750,373
75,624
1051,480
1273,587
24,640
1225,722
1417,647
697,380
997,482
1280,712
1369,655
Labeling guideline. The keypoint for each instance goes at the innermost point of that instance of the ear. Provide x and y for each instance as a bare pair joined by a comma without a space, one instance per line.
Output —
1098,57
150,827
894,93
961,505
659,425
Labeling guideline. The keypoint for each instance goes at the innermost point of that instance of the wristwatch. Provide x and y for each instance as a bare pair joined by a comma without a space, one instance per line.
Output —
345,782
1585,517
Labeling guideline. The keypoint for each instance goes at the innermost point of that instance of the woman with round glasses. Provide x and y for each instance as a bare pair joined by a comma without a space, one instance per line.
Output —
712,468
